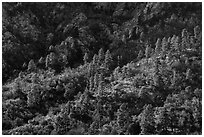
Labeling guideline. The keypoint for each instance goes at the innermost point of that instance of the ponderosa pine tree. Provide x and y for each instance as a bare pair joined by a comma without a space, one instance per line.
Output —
177,43
91,83
33,96
31,66
95,63
197,32
41,62
188,74
158,46
108,60
51,60
91,70
96,80
140,55
185,43
147,51
146,119
47,61
101,56
164,46
85,59
116,73
122,118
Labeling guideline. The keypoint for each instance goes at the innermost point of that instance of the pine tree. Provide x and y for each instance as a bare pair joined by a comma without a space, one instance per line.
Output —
164,46
185,39
31,66
95,60
116,73
47,61
188,74
100,85
177,43
91,70
91,83
169,40
168,57
140,55
85,59
122,117
101,56
158,46
33,96
41,60
197,32
124,71
173,39
20,75
174,79
17,89
147,51
24,66
96,80
128,70
50,60
147,120
142,36
51,48
64,60
156,76
108,59
34,78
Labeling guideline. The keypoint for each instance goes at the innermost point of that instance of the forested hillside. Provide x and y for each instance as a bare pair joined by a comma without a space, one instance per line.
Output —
102,68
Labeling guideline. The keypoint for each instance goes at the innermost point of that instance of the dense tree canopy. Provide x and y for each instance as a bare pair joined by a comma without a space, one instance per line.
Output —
116,68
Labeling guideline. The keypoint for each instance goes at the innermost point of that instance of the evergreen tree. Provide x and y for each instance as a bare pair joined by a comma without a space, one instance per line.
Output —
17,89
47,61
158,46
147,51
122,118
140,55
91,70
101,56
100,85
33,97
24,65
164,46
96,80
197,32
124,72
108,59
85,59
174,79
173,39
64,60
41,60
188,74
177,44
91,83
51,60
51,48
185,39
34,78
146,119
31,66
156,76
95,62
116,73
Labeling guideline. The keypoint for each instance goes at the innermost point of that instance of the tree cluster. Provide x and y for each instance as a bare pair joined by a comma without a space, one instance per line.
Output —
102,68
